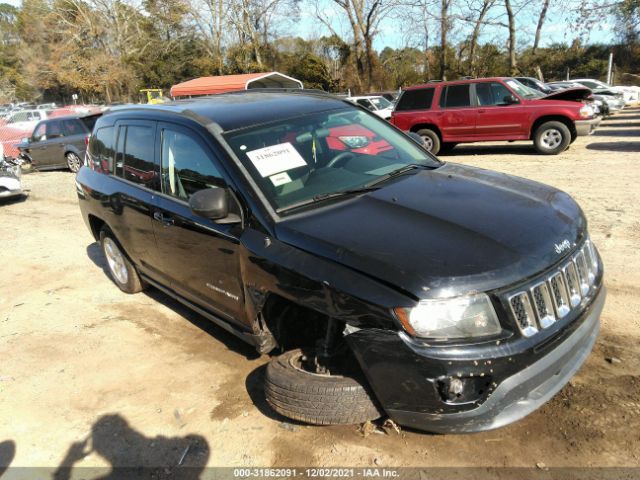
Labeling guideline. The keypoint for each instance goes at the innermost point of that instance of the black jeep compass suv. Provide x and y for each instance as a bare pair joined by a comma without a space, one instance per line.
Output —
383,281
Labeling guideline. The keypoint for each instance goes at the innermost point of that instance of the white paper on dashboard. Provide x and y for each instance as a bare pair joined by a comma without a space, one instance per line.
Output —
276,159
280,179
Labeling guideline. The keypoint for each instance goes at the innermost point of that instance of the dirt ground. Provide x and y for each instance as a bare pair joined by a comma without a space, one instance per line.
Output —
90,376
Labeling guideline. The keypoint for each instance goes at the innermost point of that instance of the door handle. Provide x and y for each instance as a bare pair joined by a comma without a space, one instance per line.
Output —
481,111
167,222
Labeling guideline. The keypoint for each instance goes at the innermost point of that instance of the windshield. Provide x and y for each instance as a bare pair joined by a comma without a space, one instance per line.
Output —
314,155
523,90
380,102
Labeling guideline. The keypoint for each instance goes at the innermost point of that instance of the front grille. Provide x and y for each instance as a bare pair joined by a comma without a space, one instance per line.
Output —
552,297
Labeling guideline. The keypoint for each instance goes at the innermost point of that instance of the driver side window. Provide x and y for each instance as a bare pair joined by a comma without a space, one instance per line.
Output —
186,165
39,133
492,93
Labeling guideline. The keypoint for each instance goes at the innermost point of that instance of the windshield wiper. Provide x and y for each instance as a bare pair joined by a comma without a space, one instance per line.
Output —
397,173
326,196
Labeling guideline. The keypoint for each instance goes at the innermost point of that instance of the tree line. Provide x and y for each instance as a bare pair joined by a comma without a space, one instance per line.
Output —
106,50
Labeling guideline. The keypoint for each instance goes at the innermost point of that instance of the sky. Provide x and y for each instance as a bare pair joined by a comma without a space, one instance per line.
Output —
393,32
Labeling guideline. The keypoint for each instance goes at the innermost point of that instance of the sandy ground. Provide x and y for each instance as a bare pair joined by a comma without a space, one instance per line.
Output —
90,376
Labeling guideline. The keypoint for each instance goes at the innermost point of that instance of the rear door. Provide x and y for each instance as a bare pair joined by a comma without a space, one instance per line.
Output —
199,257
131,202
76,135
457,114
498,118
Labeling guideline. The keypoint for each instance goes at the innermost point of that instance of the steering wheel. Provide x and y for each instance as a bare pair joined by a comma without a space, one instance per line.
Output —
340,158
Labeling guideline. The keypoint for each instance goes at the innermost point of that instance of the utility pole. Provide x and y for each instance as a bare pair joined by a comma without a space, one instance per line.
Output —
610,68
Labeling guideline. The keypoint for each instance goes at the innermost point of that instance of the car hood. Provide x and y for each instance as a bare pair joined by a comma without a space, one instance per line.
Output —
574,93
444,232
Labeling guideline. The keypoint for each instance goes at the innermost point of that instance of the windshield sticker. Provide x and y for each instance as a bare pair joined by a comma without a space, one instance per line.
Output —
280,179
276,159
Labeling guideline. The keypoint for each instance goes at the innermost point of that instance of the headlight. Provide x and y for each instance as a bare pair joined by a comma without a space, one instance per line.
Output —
470,316
354,141
586,111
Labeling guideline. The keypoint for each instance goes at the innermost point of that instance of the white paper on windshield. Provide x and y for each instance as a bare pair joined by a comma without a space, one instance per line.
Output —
280,179
276,159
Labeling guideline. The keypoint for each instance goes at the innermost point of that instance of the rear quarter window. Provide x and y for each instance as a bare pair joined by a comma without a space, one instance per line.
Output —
419,99
101,149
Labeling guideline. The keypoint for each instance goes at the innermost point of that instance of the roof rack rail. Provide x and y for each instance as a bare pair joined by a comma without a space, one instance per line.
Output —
434,81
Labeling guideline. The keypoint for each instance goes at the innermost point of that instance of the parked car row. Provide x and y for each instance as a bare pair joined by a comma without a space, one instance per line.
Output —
18,134
607,99
445,114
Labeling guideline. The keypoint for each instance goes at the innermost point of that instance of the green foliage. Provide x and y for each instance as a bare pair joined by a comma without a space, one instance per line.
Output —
107,50
313,73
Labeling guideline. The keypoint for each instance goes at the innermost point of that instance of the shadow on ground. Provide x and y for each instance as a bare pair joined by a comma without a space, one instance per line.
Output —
132,455
615,146
95,254
506,149
7,453
621,125
606,132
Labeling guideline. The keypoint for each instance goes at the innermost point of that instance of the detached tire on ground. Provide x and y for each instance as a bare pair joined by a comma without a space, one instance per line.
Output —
316,399
122,271
431,140
552,138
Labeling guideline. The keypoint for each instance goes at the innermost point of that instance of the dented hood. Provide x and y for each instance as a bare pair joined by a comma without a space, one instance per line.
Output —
443,232
572,94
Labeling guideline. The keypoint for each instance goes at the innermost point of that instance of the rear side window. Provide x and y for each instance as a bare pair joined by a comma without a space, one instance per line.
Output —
135,155
455,96
72,127
420,99
90,121
101,149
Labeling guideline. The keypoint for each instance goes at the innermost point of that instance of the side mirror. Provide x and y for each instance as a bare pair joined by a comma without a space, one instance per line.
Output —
510,99
210,203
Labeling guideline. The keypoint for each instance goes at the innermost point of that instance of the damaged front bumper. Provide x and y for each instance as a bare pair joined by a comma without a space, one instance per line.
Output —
503,389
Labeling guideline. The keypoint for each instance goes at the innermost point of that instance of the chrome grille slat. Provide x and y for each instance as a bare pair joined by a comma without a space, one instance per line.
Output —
523,313
543,305
573,284
548,299
560,296
581,268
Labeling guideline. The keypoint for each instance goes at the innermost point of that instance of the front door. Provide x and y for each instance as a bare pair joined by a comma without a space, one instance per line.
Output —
198,257
47,145
498,117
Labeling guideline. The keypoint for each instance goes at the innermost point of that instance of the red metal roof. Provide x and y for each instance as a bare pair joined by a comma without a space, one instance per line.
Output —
231,83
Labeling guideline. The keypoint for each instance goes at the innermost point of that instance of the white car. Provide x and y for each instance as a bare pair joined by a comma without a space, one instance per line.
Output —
25,119
10,185
378,105
630,94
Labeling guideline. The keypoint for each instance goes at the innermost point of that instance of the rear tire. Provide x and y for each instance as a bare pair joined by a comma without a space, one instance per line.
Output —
122,271
552,138
73,162
316,399
431,140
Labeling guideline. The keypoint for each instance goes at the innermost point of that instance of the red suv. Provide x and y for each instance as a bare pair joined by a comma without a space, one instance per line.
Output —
490,109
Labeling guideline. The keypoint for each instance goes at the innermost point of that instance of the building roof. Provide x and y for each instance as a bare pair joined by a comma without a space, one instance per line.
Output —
230,83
